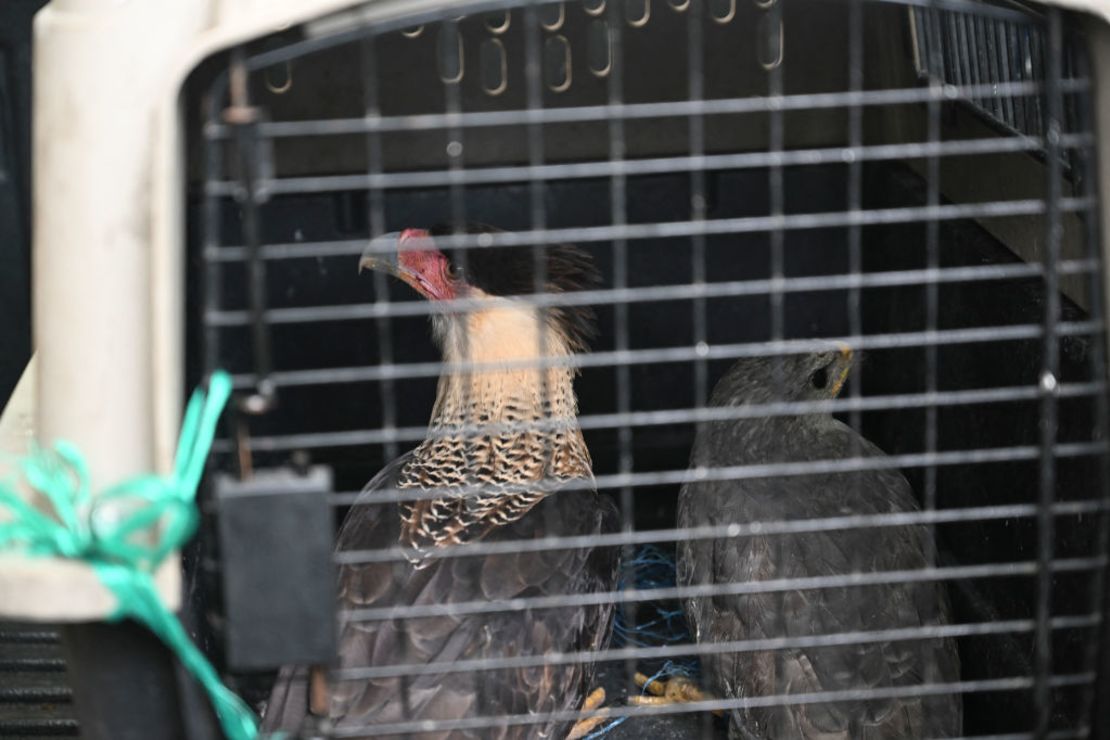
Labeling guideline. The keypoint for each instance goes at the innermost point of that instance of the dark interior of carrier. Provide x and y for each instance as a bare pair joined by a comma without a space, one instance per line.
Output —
989,320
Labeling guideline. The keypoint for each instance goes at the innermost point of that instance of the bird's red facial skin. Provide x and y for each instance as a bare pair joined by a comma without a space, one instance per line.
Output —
426,268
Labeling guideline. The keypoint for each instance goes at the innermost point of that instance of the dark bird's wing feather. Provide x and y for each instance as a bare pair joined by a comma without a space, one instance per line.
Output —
826,611
490,578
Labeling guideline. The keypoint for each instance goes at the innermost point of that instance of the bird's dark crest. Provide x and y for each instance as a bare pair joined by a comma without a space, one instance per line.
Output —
510,271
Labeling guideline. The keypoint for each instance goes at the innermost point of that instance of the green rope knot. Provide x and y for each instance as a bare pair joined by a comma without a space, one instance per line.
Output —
127,531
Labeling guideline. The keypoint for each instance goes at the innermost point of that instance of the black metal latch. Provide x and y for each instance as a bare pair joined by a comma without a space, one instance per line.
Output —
276,540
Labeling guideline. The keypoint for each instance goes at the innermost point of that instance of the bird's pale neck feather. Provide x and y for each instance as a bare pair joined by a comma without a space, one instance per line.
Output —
506,344
517,425
507,401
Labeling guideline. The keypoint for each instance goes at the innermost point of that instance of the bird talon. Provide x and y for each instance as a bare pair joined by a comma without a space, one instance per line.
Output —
676,690
655,687
689,690
595,699
592,703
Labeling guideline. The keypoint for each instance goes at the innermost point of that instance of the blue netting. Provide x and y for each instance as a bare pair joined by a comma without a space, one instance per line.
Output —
656,622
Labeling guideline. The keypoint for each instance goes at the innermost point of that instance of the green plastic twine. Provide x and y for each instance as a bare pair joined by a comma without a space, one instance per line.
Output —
127,531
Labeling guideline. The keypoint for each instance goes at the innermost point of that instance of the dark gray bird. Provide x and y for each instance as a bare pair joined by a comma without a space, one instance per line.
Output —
805,612
535,481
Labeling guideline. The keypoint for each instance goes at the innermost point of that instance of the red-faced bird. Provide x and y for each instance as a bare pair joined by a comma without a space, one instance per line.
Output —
504,461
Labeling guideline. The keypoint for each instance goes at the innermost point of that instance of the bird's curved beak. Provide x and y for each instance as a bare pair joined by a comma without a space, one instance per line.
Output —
410,256
381,254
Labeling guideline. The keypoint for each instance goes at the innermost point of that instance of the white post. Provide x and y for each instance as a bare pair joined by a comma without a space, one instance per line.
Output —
108,283
100,67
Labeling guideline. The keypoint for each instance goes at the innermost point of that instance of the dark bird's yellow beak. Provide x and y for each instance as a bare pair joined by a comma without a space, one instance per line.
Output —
844,364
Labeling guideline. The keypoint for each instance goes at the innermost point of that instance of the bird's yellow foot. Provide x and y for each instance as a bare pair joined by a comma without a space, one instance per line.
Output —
675,690
593,704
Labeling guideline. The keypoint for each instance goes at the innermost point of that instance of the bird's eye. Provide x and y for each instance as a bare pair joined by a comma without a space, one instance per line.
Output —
453,272
820,378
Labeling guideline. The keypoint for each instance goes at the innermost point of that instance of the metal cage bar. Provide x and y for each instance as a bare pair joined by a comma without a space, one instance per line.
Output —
748,231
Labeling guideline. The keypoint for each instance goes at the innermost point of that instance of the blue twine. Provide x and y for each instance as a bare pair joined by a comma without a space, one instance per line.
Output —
659,624
605,730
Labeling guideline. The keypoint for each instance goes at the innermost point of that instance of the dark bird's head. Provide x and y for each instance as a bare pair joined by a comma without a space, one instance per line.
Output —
816,376
489,272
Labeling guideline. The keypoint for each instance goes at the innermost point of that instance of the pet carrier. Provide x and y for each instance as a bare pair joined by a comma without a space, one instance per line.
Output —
916,180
